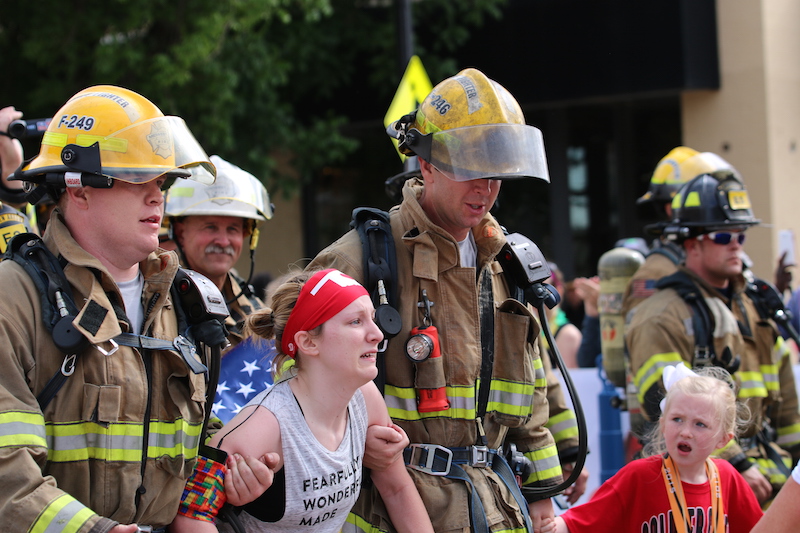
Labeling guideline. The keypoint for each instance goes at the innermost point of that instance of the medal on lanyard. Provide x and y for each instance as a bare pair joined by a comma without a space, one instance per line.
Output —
677,500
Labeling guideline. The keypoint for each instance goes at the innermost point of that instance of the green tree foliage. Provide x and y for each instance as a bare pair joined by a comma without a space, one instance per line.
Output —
257,81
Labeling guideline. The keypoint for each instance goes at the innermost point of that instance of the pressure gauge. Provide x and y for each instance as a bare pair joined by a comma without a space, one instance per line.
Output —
419,347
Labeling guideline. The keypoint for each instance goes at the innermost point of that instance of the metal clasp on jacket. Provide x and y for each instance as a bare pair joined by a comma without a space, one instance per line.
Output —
431,450
113,350
480,456
702,357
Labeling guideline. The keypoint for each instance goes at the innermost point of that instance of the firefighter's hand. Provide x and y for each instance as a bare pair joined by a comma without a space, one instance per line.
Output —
548,526
783,275
576,490
385,444
760,485
247,478
127,528
588,289
541,512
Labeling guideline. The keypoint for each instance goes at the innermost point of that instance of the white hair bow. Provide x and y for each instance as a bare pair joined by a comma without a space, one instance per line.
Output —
671,375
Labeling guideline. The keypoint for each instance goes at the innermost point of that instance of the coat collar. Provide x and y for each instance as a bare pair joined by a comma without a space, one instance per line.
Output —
92,284
434,250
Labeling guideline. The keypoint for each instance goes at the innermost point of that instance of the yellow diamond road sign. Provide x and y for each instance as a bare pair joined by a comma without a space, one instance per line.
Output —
414,87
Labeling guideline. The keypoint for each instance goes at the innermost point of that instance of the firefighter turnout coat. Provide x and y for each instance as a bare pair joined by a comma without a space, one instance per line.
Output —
120,438
428,258
661,333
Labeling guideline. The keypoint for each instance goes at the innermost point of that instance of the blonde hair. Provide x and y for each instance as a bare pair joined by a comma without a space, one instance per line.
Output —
270,322
716,385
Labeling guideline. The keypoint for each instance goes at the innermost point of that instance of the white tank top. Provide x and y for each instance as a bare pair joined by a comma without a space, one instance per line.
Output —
321,485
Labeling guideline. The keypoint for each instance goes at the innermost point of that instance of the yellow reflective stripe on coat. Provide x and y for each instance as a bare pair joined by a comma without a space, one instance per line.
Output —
781,349
402,403
510,398
546,464
65,514
771,470
788,436
719,451
769,373
539,377
22,428
356,524
647,376
751,384
563,426
506,397
81,441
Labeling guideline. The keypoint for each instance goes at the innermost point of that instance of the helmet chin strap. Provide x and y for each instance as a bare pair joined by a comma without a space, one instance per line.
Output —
253,244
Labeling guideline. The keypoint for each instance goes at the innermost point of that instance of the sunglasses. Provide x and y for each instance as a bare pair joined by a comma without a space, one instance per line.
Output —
722,237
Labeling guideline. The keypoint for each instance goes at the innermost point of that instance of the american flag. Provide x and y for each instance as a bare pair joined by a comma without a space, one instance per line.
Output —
246,371
643,288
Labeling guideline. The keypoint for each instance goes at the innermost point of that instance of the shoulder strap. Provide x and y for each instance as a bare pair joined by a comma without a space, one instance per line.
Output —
669,252
704,353
59,310
58,307
380,263
380,275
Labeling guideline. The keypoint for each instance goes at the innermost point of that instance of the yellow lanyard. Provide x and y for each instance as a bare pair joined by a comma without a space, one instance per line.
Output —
680,514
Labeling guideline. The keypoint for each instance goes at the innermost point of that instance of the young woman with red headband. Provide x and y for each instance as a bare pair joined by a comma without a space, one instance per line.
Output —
316,415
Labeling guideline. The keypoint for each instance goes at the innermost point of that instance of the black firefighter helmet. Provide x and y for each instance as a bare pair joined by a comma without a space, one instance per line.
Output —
715,201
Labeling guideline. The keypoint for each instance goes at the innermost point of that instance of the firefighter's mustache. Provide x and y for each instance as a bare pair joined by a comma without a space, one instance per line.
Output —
216,249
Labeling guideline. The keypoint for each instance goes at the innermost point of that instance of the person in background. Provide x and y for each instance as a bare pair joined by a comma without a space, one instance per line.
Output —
675,169
12,220
10,148
589,291
678,482
209,225
315,417
704,316
567,336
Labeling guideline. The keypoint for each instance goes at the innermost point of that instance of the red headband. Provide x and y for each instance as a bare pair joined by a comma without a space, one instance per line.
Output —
322,297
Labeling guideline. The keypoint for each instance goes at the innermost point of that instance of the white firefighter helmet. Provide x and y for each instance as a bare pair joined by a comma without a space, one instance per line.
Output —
235,193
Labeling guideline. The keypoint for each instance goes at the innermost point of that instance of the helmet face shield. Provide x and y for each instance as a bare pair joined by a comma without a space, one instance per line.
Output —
493,151
149,149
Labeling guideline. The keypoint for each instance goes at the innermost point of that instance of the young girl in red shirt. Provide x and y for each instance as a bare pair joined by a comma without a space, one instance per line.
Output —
679,487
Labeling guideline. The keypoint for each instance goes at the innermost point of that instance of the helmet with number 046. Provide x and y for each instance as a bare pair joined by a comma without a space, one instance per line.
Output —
470,127
106,133
710,202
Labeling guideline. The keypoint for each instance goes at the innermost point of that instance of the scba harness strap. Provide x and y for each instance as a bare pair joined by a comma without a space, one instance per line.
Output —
59,311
